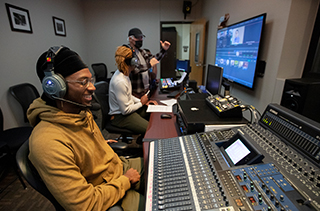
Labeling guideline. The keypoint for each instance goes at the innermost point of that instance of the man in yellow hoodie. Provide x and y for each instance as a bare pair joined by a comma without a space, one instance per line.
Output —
67,148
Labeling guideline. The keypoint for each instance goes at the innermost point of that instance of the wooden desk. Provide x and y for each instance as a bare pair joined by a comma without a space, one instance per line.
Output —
159,128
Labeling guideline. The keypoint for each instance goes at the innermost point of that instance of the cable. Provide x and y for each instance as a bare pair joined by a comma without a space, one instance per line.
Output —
185,91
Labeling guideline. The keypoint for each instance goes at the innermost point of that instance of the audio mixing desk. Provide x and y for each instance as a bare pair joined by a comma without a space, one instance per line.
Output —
270,165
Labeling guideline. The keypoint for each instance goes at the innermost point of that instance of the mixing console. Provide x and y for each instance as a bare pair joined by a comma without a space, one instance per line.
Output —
167,83
193,173
224,106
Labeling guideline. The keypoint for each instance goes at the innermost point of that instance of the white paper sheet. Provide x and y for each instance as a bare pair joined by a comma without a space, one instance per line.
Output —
159,108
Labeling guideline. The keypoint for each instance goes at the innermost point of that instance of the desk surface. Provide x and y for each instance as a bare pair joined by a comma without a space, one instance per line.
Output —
159,128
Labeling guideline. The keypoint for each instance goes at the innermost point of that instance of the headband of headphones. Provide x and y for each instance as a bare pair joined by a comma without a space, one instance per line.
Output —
52,52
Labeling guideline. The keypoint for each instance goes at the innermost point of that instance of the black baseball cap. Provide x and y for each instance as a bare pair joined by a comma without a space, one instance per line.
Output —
136,33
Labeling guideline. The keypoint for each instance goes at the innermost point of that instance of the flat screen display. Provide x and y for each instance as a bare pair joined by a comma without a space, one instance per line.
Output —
214,79
237,151
183,65
237,50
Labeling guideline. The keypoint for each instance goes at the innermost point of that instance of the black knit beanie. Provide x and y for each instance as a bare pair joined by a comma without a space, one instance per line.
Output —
66,62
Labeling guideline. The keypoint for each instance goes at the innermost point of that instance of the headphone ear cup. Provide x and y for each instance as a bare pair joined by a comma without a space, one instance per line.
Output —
134,61
54,86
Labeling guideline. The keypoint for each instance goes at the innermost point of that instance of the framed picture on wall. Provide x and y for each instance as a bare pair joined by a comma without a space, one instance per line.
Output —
19,19
59,26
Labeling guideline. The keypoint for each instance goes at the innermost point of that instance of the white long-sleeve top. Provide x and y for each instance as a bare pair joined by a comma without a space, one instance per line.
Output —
121,100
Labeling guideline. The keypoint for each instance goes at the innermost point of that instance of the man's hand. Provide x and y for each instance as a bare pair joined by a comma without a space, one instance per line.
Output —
133,176
109,141
153,102
153,62
165,45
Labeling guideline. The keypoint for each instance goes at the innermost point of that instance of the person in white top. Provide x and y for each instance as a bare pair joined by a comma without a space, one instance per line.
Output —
126,110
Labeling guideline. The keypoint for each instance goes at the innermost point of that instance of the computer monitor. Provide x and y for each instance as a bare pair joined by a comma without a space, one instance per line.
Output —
183,65
238,50
214,79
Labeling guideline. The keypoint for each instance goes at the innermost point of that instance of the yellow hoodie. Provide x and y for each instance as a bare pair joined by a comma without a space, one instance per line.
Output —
72,157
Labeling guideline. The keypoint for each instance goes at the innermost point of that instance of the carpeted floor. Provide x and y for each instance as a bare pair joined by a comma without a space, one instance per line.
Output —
14,197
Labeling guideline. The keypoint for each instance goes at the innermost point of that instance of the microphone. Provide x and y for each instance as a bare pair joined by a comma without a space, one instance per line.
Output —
93,106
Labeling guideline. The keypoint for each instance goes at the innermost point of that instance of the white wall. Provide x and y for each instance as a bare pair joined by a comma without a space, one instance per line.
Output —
289,25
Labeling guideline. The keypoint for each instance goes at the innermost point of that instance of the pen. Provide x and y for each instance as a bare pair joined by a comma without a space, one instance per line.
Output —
147,92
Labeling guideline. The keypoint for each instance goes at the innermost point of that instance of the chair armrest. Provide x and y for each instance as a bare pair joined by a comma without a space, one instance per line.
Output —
119,146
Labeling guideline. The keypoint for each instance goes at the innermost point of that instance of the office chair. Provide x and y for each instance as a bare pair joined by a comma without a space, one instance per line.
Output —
30,173
100,71
24,93
7,161
102,96
13,139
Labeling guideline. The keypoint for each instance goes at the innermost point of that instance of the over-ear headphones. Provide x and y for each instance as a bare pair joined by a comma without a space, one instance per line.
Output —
54,85
132,61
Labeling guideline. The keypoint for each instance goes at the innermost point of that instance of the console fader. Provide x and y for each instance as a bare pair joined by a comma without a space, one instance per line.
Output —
191,173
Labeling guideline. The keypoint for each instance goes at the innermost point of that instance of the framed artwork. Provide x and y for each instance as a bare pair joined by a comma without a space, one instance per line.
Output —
59,26
19,19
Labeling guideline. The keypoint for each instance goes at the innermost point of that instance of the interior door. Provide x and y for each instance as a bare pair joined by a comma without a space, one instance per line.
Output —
197,50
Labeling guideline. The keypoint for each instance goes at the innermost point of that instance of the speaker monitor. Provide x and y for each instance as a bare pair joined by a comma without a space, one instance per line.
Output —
186,8
193,85
302,96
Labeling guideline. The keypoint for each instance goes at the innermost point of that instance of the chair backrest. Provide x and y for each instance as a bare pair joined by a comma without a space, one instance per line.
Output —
30,173
24,93
1,121
100,71
102,95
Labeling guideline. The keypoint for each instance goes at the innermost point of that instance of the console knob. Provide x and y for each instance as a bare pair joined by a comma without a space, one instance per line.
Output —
281,198
271,197
244,176
267,191
311,179
227,203
252,188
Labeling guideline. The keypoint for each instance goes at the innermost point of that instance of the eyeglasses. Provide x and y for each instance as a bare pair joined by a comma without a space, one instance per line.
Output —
85,82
